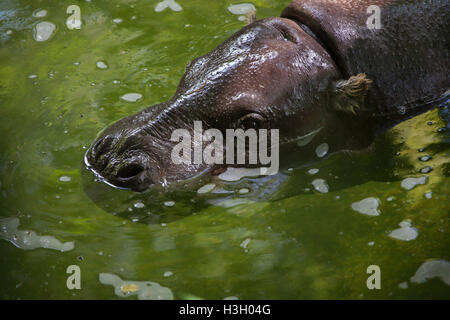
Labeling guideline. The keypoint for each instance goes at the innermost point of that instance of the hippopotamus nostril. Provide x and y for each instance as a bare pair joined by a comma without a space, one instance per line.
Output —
130,170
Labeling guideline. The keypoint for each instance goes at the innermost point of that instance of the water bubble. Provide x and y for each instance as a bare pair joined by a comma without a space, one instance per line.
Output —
101,65
235,174
117,20
139,205
43,31
322,150
206,188
32,76
367,206
242,8
405,233
429,195
29,240
144,290
244,191
169,203
433,269
64,179
320,185
168,274
131,97
410,183
245,243
172,4
40,14
426,169
425,158
313,171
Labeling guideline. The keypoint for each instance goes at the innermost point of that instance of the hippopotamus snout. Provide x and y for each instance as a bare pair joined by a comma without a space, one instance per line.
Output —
124,158
111,159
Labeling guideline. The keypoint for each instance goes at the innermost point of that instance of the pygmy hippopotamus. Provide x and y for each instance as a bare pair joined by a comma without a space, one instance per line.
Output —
324,70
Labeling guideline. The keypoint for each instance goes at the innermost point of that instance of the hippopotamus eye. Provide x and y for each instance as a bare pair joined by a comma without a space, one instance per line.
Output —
287,36
251,121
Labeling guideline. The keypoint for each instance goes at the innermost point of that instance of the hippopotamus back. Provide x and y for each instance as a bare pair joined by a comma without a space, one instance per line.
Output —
406,58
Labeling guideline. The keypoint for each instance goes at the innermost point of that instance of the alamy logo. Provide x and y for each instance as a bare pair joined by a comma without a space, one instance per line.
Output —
191,150
374,280
74,280
74,20
374,20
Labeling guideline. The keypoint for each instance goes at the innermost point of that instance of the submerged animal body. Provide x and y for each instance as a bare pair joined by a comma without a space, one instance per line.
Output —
319,72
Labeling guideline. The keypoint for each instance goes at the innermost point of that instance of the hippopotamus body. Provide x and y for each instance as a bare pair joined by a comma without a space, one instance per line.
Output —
319,68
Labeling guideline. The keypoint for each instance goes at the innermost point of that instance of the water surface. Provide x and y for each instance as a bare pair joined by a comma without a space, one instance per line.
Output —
273,238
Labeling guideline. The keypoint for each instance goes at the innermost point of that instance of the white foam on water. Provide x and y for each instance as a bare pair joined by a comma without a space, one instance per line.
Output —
206,188
64,179
434,268
403,285
131,97
144,290
429,195
236,174
320,185
168,274
313,171
322,150
231,298
367,206
405,233
117,20
101,65
410,183
43,31
139,205
172,4
169,203
32,76
245,243
242,8
244,191
29,240
40,14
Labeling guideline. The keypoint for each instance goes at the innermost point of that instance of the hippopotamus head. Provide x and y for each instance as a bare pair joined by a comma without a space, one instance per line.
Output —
272,74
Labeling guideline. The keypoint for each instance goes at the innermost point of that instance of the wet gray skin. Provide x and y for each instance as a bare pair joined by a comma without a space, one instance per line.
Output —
298,74
271,74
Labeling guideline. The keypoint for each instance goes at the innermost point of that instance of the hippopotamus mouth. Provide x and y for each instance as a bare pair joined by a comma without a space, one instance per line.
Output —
272,74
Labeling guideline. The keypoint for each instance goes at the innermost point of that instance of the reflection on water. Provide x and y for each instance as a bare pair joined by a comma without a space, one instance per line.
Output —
245,237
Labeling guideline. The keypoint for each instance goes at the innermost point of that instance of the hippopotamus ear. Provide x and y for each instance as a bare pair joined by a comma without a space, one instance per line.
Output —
348,95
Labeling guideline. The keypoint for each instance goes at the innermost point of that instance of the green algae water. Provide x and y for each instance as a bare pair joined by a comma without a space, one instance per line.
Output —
308,233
